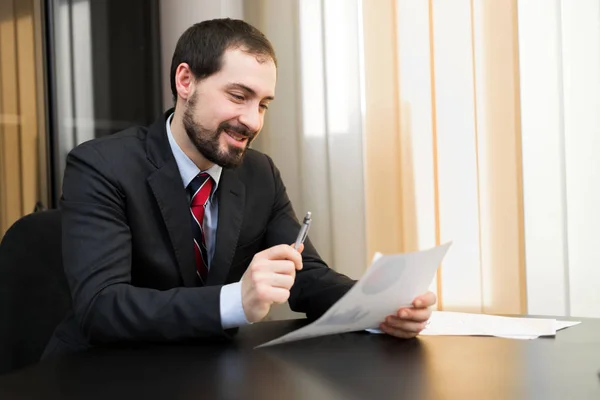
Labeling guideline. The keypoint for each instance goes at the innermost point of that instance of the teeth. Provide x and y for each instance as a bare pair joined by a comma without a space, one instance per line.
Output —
236,136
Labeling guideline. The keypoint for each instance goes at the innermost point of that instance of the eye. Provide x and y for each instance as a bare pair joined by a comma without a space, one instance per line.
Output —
237,97
264,106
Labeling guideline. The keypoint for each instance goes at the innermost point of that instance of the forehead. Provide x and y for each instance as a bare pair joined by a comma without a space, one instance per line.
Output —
259,74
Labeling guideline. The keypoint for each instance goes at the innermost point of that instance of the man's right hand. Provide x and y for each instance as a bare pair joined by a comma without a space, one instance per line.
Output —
268,279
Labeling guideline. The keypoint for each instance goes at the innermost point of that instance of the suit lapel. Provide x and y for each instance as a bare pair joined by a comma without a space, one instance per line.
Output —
168,190
231,198
170,196
165,183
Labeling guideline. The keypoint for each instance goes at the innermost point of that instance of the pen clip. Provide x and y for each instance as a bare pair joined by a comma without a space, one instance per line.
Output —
307,221
305,234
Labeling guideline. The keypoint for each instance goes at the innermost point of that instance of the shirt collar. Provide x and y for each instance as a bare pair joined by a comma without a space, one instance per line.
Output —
187,169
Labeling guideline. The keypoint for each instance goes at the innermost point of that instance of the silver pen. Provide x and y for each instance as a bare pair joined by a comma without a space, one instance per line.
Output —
303,231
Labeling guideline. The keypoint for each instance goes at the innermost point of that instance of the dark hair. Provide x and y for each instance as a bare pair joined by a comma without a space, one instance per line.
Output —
203,44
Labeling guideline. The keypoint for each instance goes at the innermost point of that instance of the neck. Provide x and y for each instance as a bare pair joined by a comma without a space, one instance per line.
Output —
184,142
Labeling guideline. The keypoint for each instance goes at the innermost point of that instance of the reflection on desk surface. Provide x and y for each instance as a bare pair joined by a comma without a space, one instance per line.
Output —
346,366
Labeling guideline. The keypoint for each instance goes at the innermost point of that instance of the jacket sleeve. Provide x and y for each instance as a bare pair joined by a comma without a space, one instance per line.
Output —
97,261
317,287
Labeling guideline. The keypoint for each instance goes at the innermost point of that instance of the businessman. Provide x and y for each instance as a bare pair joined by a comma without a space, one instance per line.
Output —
180,231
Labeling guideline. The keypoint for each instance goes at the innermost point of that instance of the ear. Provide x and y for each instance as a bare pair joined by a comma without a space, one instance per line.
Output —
184,81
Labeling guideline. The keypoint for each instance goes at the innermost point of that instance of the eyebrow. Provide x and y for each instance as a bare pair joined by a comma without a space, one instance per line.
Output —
248,90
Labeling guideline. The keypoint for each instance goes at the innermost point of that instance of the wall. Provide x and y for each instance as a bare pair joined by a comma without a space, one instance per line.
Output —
176,17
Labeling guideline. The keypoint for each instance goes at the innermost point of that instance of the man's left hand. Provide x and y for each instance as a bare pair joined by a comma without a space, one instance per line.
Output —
409,322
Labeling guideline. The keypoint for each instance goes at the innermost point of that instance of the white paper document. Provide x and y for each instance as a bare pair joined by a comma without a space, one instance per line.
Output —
467,324
392,282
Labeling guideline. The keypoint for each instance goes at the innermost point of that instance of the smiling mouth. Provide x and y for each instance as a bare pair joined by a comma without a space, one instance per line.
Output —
235,135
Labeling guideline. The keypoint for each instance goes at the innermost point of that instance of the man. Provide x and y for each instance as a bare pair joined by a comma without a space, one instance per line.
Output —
179,230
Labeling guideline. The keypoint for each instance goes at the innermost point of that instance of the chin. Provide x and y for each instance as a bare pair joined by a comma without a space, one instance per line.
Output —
226,159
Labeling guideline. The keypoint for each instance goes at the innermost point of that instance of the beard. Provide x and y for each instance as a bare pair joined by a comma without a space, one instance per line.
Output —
207,141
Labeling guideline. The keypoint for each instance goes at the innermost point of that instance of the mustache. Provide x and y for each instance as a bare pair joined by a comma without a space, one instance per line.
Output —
242,130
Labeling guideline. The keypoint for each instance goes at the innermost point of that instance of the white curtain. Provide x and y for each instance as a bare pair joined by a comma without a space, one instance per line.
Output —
313,130
456,101
560,92
498,137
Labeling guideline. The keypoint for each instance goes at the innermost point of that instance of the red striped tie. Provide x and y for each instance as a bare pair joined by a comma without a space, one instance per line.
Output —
199,189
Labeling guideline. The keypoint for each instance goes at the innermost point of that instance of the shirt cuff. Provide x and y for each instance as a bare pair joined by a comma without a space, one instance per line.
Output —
232,310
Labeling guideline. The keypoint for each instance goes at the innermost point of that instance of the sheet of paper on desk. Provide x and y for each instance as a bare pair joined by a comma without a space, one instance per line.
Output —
392,282
467,324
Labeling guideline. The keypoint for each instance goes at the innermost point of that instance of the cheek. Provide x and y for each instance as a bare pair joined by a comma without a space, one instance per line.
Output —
210,114
224,110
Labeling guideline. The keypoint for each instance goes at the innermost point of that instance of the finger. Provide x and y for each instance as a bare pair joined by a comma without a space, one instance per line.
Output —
300,248
262,271
414,314
408,326
275,295
281,281
426,300
285,267
399,333
282,252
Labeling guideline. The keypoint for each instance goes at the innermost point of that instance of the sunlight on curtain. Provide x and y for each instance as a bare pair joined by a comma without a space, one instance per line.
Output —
459,145
497,140
560,79
313,131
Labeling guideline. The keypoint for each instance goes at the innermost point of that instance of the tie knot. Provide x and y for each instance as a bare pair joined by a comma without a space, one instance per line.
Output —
199,189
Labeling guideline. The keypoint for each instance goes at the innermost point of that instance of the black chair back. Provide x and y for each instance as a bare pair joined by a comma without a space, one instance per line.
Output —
34,295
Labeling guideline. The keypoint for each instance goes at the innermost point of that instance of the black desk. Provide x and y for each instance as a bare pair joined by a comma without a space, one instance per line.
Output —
349,366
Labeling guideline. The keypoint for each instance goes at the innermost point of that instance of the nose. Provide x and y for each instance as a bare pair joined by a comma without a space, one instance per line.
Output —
252,119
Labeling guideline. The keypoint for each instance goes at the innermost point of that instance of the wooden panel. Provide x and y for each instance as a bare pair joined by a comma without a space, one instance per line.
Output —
27,104
3,122
11,200
21,82
42,139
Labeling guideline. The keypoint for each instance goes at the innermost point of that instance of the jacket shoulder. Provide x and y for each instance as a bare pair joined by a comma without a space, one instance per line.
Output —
118,146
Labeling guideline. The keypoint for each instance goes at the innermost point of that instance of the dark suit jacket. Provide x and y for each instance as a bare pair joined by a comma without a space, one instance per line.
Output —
127,243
